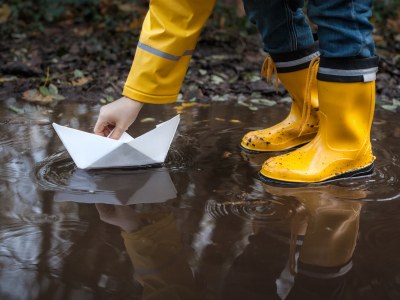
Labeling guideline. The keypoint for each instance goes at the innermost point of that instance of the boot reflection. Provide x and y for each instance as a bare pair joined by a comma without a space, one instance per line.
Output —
331,214
302,250
154,245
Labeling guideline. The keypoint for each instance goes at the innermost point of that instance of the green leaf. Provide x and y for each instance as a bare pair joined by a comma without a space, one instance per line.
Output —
78,73
53,89
44,91
58,97
15,109
109,98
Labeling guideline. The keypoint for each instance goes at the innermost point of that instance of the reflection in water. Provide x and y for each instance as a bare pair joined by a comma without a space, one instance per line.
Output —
118,186
151,237
313,263
154,245
225,235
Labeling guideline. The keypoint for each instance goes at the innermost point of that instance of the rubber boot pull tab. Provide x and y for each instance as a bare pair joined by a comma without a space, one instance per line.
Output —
269,67
311,78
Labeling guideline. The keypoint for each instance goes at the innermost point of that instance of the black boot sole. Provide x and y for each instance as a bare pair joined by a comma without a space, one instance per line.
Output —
249,151
366,171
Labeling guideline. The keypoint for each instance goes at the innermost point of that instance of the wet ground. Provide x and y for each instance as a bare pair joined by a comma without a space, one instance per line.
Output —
202,226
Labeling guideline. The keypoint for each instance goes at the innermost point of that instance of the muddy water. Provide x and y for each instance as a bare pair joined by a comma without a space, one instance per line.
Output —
202,226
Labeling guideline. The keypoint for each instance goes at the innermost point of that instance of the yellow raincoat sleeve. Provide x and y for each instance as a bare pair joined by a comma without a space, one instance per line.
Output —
168,38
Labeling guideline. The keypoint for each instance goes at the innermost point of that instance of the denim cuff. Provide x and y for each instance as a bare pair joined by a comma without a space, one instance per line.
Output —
296,60
349,69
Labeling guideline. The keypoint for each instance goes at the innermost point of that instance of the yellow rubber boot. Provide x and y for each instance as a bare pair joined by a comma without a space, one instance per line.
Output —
301,124
342,147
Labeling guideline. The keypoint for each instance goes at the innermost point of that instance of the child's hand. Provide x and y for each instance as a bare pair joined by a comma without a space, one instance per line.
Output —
118,115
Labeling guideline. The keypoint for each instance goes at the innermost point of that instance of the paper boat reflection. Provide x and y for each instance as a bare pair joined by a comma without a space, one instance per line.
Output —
120,187
90,151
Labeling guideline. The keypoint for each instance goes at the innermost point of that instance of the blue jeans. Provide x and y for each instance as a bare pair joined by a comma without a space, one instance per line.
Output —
343,26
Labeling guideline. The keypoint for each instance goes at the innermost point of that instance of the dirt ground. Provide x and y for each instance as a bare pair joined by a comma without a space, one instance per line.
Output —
74,60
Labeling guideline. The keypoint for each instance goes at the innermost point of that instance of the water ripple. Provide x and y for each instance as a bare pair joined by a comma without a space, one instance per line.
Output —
263,211
24,246
384,183
383,235
13,165
54,172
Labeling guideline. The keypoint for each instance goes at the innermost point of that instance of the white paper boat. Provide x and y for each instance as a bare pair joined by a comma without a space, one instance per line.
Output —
119,187
91,151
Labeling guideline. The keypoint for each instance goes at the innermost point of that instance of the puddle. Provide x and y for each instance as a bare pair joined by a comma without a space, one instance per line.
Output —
201,226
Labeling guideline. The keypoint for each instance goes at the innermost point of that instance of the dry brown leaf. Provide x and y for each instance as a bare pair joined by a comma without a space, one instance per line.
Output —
185,104
136,24
5,13
34,95
131,7
393,23
227,154
83,31
82,81
8,78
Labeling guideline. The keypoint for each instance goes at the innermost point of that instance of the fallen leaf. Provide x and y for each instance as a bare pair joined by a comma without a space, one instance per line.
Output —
44,91
390,107
397,132
8,78
185,104
15,109
220,98
179,98
109,98
83,31
131,7
393,107
43,95
217,79
264,102
82,81
178,109
5,13
226,154
53,90
136,23
286,100
78,73
242,103
34,95
147,120
203,72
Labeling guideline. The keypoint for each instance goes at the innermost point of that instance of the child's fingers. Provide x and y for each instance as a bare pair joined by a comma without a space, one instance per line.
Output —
116,134
101,128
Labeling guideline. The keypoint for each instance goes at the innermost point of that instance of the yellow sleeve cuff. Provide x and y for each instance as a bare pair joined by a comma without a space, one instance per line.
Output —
148,98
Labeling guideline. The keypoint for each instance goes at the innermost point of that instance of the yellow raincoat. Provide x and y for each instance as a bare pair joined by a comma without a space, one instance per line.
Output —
167,41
